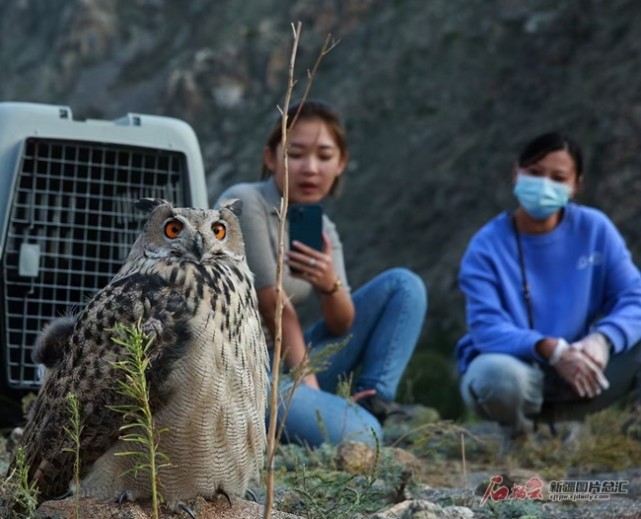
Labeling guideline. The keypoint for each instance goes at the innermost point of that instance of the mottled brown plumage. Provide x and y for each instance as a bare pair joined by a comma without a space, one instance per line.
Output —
188,283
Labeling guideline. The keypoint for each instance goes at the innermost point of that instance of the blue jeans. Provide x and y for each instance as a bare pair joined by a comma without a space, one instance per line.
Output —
390,310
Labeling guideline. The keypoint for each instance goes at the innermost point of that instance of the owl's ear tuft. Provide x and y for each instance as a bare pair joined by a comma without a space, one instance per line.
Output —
149,204
234,205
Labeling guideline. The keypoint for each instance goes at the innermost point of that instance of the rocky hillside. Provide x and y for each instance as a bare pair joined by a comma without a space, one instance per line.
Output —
438,97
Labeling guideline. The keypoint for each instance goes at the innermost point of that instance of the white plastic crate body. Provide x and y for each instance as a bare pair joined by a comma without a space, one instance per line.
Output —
67,220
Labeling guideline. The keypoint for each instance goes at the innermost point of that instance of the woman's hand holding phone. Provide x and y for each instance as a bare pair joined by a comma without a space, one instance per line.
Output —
313,266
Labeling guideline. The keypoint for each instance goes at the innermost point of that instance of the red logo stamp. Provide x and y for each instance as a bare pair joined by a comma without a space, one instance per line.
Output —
497,492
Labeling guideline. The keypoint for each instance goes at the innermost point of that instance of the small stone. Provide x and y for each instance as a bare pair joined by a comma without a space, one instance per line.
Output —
407,459
415,509
355,458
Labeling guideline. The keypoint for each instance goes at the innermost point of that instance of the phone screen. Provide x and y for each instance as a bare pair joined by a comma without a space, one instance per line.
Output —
306,225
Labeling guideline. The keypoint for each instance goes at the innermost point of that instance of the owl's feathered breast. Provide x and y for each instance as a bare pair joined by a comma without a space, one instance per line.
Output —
214,411
224,323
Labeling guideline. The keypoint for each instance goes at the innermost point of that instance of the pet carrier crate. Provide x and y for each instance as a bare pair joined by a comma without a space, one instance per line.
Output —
67,220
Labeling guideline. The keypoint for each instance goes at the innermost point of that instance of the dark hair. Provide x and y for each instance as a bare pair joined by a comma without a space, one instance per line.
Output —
310,109
546,143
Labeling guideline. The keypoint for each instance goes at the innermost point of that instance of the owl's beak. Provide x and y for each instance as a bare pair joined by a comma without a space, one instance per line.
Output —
197,247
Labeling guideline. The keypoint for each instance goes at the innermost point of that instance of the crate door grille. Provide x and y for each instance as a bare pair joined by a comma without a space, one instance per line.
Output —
71,226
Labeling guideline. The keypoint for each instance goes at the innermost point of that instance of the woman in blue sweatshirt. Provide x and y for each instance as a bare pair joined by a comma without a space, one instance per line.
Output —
553,301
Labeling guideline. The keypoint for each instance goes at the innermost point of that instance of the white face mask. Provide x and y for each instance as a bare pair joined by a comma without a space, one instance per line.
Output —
540,196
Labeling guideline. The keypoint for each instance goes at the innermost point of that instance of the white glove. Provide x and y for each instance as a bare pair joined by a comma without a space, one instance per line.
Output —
578,370
596,347
560,348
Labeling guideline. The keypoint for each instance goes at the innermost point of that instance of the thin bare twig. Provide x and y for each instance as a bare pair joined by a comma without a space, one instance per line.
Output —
328,45
274,433
278,334
443,425
296,381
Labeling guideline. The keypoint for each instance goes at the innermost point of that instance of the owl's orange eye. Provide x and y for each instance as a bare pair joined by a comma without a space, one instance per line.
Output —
173,228
219,230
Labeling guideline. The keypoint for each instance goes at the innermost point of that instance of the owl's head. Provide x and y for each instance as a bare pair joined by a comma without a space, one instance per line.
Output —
196,235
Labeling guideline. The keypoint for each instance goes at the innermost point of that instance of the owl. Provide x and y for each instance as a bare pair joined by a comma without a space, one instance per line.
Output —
187,285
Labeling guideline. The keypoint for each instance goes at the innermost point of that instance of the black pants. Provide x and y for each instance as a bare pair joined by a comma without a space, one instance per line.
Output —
560,402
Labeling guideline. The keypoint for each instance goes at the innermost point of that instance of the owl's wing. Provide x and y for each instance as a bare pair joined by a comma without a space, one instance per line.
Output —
258,359
87,371
247,339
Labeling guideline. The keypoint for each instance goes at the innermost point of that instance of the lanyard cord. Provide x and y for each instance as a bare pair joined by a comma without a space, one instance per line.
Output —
528,303
526,286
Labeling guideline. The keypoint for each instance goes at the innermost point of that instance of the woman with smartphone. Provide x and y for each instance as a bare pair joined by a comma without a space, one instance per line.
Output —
372,332
553,301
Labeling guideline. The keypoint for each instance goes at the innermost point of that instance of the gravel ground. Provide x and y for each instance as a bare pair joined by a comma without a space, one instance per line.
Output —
451,488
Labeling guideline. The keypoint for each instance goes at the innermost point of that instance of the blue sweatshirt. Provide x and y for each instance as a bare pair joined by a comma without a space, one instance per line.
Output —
581,276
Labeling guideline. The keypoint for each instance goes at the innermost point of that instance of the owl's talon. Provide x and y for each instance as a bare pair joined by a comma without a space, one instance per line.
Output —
186,509
67,494
221,491
122,497
250,493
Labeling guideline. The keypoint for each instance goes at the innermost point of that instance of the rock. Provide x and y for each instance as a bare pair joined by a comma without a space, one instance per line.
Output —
407,459
355,458
94,509
413,509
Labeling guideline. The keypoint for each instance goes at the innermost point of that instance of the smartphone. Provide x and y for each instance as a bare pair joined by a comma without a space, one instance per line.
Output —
306,225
